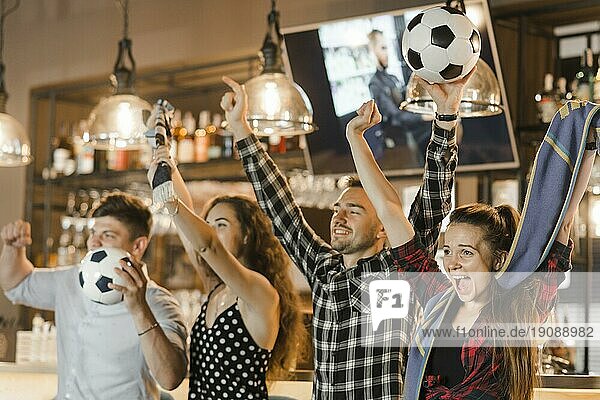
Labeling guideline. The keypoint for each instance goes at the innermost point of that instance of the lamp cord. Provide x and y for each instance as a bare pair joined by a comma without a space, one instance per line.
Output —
125,8
3,14
460,5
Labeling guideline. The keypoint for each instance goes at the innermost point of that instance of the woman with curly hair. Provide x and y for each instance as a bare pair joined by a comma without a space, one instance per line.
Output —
249,328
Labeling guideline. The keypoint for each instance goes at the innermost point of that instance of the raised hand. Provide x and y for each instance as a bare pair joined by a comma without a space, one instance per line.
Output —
160,154
446,95
134,287
368,116
235,105
16,234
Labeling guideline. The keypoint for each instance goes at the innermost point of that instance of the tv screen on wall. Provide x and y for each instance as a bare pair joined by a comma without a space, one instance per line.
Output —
338,65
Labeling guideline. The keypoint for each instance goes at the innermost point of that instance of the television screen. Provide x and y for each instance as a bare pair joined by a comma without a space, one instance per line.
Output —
342,64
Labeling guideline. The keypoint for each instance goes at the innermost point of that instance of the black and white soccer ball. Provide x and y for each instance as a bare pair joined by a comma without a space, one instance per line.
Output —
441,44
97,271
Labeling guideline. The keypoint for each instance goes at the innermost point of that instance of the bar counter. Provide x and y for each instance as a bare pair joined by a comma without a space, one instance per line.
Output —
39,382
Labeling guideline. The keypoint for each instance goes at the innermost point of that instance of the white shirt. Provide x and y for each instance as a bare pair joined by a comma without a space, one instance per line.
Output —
99,351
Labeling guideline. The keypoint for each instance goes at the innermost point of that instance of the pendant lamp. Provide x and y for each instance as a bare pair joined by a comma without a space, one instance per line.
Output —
15,148
276,104
119,121
481,95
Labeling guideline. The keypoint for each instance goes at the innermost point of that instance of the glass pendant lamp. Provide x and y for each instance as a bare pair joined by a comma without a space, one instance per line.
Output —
15,148
119,121
481,95
276,104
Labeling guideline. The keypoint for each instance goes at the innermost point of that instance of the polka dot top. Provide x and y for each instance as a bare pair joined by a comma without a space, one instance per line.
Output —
226,363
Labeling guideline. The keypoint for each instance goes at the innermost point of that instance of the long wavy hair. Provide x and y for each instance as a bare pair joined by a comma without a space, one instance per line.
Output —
265,255
517,373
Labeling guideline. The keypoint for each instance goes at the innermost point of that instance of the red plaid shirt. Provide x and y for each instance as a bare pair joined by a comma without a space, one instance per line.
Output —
480,363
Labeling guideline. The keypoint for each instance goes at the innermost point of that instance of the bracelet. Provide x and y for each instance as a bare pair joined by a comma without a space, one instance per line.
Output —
154,325
446,117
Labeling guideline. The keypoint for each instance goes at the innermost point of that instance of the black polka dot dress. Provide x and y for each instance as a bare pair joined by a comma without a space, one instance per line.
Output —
226,363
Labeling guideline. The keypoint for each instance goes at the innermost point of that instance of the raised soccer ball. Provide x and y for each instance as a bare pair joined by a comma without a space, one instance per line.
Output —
441,44
97,271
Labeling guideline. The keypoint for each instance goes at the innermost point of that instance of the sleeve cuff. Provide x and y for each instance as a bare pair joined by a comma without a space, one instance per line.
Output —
407,249
248,146
441,135
562,251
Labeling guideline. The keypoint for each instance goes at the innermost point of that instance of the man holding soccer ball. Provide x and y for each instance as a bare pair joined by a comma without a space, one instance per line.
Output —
118,351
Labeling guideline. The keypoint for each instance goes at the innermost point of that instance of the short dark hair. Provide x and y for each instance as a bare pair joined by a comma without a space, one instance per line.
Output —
352,181
127,209
373,34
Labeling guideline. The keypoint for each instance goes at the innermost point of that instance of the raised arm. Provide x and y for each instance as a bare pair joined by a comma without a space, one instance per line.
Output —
433,200
581,184
380,191
250,286
14,264
162,154
202,244
308,251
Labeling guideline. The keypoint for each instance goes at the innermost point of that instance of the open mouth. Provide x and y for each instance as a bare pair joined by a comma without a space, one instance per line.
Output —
341,232
463,283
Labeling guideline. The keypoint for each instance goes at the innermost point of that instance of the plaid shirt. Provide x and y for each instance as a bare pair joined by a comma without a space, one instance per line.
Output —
480,359
343,368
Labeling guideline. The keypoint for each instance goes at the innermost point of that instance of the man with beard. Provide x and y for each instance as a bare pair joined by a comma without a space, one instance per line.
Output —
397,127
344,367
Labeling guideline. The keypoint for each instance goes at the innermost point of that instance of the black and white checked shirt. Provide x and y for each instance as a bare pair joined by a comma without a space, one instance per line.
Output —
344,367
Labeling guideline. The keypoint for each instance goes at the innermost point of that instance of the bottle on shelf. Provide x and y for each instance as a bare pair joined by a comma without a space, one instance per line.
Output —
547,100
215,140
63,149
563,95
276,144
597,84
185,146
201,138
176,132
585,76
85,152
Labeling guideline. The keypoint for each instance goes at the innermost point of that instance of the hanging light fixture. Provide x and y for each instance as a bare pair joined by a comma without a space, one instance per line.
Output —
119,121
276,104
481,95
15,149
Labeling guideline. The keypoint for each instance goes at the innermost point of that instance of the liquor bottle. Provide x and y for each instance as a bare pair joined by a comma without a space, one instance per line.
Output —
201,138
85,154
215,140
276,144
176,127
563,95
547,101
597,84
185,145
586,76
63,149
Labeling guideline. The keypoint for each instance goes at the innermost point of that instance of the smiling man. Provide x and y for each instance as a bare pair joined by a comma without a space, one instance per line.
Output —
118,351
344,367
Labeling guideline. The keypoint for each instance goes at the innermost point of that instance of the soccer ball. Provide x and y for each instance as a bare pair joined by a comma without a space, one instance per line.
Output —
441,44
97,271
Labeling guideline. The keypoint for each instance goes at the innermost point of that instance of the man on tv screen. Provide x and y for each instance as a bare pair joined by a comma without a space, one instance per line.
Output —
397,127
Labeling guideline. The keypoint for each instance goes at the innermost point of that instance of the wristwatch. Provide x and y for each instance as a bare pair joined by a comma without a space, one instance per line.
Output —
446,117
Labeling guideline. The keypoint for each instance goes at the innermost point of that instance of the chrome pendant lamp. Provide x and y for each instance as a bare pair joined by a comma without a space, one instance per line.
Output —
15,148
119,121
481,95
276,104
